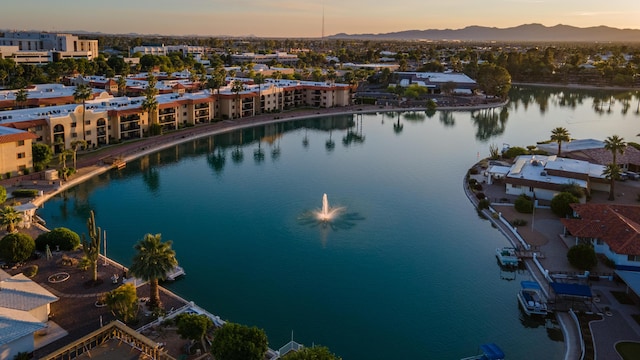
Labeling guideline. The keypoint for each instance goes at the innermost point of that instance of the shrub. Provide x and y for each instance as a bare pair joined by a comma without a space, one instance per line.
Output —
574,189
560,204
512,152
24,193
25,171
477,187
483,204
473,182
524,204
30,271
7,175
16,247
3,194
61,237
473,171
480,196
519,222
582,256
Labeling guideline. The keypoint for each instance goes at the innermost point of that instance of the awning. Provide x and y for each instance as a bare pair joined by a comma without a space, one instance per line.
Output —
576,290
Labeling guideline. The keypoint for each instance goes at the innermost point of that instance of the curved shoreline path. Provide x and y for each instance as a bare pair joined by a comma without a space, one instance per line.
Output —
90,164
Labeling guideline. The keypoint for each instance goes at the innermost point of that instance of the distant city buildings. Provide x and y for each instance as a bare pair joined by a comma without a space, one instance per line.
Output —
25,47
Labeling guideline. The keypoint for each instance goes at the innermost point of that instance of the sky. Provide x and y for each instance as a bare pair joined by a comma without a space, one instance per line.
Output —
304,18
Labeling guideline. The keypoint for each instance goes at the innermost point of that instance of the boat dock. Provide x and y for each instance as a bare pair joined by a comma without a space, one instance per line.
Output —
174,273
528,254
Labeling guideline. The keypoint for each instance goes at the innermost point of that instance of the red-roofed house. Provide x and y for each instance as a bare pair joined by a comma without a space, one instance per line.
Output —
614,231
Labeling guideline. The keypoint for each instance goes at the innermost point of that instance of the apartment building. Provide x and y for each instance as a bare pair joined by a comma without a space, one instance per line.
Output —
106,119
15,150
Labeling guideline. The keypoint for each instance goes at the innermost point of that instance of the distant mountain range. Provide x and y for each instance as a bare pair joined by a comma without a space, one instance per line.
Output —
522,33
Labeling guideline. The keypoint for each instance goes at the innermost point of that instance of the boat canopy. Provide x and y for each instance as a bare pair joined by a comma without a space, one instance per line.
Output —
530,285
492,351
571,289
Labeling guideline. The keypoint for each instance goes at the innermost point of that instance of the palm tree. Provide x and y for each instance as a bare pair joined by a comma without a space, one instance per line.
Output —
21,97
259,80
10,217
82,94
559,135
62,157
611,172
75,145
122,86
150,103
616,145
152,261
236,87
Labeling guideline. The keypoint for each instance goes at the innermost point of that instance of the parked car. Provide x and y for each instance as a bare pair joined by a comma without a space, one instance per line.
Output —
632,175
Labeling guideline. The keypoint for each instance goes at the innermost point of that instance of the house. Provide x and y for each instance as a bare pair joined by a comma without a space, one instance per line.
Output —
542,177
613,230
24,312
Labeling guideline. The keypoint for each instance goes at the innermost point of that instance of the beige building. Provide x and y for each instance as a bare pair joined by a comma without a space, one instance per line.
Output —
15,150
107,119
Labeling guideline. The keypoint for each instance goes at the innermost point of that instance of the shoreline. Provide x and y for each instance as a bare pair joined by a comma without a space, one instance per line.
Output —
578,86
151,145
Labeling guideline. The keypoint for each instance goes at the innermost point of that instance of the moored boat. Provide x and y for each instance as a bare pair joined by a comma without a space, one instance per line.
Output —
489,351
507,257
531,299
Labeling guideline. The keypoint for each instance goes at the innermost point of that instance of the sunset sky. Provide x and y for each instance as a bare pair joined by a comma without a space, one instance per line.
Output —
303,18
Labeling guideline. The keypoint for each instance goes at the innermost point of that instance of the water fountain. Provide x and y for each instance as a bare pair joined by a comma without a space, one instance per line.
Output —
327,213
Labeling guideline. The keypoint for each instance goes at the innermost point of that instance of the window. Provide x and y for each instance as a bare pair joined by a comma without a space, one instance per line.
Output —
39,128
73,124
88,132
184,113
21,155
530,188
633,258
88,122
73,135
20,142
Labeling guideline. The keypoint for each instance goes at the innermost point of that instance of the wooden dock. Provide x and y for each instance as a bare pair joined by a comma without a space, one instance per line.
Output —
174,273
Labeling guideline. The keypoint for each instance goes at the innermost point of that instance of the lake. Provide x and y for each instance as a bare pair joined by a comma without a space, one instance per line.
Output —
406,271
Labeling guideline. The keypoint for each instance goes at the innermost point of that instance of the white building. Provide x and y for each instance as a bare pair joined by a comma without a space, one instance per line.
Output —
27,47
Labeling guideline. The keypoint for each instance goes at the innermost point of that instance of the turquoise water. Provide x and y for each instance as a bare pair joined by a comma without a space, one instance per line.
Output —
407,271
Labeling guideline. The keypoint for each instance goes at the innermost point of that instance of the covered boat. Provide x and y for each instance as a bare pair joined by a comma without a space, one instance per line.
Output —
531,299
507,257
489,351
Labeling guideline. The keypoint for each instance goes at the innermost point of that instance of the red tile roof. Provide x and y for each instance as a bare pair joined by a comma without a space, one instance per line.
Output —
9,138
617,225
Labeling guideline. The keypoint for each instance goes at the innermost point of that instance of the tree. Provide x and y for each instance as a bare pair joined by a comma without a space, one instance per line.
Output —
239,342
16,247
612,173
193,327
582,256
75,145
42,155
122,86
218,79
150,103
152,261
560,135
259,80
524,204
561,204
21,97
61,237
616,145
494,80
237,87
312,353
123,302
10,218
91,248
82,94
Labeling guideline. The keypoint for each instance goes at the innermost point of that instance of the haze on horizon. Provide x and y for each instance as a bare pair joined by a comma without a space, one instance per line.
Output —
303,18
